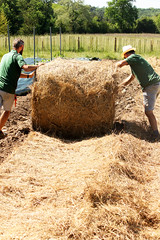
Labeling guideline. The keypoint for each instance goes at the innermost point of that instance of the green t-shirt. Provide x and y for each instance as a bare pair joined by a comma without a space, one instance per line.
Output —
142,70
10,70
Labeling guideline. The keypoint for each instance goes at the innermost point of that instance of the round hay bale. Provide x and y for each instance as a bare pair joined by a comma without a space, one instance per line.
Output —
73,98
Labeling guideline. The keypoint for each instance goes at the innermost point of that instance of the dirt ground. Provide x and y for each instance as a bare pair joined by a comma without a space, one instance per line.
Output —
17,127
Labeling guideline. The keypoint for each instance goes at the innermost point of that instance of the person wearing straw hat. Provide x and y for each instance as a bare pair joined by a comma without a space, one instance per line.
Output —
10,71
149,81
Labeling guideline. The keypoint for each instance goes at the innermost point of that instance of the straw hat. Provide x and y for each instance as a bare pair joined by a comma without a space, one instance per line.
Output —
127,48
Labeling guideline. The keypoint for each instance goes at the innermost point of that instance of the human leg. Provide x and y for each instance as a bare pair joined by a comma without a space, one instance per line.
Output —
149,97
6,100
3,119
152,120
155,136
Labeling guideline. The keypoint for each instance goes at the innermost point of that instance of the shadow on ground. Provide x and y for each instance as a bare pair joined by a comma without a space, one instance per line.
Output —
138,130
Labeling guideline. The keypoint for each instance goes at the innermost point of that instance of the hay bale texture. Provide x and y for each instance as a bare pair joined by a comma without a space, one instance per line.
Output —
73,98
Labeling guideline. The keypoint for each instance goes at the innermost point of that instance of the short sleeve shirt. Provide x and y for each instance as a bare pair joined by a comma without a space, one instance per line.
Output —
10,70
142,70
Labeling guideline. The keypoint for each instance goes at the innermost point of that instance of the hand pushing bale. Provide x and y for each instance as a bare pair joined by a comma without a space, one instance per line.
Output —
73,98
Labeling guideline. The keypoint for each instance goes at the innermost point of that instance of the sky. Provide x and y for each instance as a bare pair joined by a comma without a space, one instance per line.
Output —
137,3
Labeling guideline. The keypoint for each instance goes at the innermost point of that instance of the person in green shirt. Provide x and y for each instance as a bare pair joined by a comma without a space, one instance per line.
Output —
10,71
149,81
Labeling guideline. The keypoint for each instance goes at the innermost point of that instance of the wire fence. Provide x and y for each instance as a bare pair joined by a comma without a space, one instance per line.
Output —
111,43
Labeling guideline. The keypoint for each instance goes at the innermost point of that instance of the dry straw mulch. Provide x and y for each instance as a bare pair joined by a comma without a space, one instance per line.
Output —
101,188
98,188
74,98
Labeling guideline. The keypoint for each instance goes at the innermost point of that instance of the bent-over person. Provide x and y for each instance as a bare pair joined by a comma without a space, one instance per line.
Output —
149,81
10,71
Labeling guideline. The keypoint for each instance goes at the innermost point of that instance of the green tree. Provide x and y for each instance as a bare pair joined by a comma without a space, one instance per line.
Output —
80,17
146,25
157,21
12,10
99,21
121,15
38,14
148,12
23,15
3,23
62,18
73,16
99,26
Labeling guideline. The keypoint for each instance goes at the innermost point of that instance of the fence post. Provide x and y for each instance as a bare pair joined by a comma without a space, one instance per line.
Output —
51,41
60,39
151,45
34,42
78,44
115,44
8,38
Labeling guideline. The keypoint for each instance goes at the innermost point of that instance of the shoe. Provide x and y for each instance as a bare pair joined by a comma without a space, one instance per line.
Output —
2,134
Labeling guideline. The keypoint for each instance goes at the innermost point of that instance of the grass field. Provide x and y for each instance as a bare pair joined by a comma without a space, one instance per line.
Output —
85,45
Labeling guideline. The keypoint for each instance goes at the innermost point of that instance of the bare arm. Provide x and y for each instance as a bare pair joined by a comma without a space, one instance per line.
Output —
127,81
121,64
30,68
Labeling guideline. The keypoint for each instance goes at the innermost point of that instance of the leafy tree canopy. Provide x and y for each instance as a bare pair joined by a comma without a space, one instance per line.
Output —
38,13
75,17
157,21
122,15
3,22
72,16
148,12
146,25
13,14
